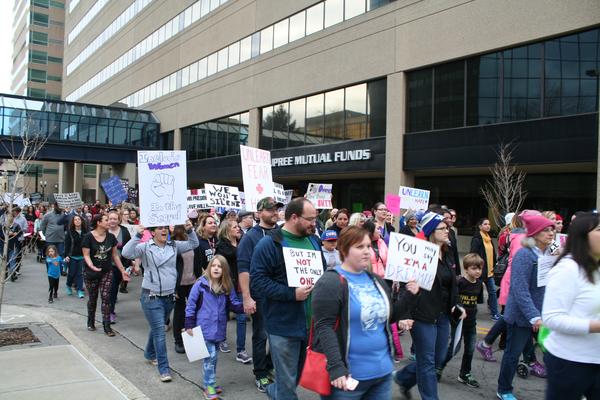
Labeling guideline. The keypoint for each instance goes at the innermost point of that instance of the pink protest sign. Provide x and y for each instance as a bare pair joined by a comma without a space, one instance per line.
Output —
392,202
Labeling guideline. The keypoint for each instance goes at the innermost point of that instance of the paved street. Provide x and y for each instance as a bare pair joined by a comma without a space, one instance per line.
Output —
125,351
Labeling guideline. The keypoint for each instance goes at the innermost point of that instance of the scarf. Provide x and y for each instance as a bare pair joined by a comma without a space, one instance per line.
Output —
489,252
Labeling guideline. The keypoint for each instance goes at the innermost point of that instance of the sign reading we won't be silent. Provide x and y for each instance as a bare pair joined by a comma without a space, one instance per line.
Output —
303,267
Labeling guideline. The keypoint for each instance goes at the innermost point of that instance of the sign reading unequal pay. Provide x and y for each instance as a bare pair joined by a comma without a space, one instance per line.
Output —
410,258
413,199
304,267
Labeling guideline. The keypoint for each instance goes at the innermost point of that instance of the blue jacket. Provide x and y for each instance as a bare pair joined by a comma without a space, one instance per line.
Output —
247,246
283,314
525,298
209,310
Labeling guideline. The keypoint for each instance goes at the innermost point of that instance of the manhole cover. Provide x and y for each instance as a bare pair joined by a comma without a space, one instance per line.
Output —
12,336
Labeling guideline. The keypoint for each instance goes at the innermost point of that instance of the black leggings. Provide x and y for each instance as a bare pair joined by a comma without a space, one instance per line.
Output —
52,287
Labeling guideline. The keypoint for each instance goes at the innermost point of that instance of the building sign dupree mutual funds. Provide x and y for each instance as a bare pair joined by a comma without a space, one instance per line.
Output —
321,158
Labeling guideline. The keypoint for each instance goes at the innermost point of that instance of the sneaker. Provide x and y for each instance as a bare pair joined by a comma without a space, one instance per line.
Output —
56,295
50,300
397,358
113,318
468,380
219,389
495,317
243,357
537,369
165,378
261,384
485,351
80,294
224,347
69,291
404,391
179,348
153,362
210,393
506,396
123,290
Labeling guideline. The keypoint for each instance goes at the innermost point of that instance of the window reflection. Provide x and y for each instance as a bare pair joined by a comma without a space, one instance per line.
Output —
296,125
314,19
281,119
314,119
483,89
449,95
334,12
245,49
334,116
266,138
353,8
297,26
356,112
266,39
419,90
522,84
280,33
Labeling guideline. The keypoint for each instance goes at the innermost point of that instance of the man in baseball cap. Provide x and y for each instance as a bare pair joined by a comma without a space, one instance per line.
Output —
267,203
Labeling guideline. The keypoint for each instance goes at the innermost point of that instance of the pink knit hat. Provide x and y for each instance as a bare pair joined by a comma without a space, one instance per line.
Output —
535,222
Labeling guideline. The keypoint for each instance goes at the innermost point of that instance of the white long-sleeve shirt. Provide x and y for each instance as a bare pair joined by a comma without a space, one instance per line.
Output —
570,303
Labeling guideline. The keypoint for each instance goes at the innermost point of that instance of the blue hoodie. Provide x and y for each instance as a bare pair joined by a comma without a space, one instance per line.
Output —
209,310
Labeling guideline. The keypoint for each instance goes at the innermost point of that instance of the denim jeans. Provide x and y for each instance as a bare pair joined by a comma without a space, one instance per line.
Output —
431,349
75,274
570,380
492,297
516,339
495,331
156,309
469,337
372,389
241,328
261,360
114,289
12,259
288,358
210,364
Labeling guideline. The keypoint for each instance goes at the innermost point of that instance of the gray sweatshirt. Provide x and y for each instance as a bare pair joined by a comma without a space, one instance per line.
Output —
160,267
53,228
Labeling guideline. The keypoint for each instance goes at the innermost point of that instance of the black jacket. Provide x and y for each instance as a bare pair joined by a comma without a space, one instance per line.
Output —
229,251
179,267
73,243
330,304
405,230
477,247
454,251
205,251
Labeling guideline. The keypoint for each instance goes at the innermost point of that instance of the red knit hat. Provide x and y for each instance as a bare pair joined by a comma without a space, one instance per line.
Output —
535,222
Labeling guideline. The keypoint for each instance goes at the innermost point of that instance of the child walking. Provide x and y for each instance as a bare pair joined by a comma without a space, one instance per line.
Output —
209,302
54,265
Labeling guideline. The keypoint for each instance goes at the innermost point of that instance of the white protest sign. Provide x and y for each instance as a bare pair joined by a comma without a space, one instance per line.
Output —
457,337
413,199
256,172
288,196
243,200
68,200
544,265
304,267
162,178
320,195
410,258
195,346
132,229
227,197
196,199
279,193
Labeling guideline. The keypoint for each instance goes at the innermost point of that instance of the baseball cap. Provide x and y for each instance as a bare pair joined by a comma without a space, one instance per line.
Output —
244,214
267,203
329,235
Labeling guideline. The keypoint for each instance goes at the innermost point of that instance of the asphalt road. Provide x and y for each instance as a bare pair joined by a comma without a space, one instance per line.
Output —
125,351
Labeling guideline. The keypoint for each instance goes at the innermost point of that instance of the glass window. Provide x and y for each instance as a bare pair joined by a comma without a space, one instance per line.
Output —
334,12
245,49
40,38
185,76
353,8
41,3
483,89
355,108
334,116
266,39
234,54
314,18
296,122
522,84
280,33
266,135
39,57
255,44
419,101
37,75
205,8
193,72
233,134
39,19
214,4
281,119
212,64
377,108
57,60
202,68
314,119
449,95
297,26
222,59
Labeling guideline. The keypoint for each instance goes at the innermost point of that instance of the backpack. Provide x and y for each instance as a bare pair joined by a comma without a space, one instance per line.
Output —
502,263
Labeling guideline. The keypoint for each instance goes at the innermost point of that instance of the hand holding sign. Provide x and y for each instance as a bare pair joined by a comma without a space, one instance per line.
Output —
163,185
302,292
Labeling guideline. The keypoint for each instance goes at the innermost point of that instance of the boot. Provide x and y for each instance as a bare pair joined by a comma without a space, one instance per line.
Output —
91,324
107,329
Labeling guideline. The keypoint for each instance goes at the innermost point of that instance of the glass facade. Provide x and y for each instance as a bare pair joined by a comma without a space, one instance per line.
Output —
216,138
73,122
354,112
546,79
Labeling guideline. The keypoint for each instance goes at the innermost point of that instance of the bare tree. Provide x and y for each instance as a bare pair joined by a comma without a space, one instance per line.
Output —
505,191
21,145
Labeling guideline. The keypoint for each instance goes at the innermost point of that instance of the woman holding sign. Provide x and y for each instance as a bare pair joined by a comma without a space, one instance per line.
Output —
431,329
359,303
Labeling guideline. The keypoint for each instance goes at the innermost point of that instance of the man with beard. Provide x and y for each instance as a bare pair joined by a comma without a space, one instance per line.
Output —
286,309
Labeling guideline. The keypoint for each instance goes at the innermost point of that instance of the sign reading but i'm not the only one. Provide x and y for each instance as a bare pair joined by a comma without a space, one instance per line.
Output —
303,267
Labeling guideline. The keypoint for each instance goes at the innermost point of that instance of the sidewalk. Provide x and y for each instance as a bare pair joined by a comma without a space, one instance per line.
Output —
60,365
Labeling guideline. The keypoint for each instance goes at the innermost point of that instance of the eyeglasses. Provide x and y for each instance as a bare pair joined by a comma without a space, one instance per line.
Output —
311,219
382,209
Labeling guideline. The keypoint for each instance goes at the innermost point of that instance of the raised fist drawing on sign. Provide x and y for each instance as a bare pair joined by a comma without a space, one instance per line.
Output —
163,185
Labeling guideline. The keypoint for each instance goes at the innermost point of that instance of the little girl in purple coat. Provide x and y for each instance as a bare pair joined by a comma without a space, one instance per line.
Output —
209,302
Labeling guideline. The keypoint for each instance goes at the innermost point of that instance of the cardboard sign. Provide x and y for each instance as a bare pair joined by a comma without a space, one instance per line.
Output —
320,195
410,258
392,202
162,177
226,197
68,200
196,199
544,265
113,187
256,173
304,267
414,199
279,193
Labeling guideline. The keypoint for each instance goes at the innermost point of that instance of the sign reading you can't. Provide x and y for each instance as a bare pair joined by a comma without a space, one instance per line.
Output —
321,158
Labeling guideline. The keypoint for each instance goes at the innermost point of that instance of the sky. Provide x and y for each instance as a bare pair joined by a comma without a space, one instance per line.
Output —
5,44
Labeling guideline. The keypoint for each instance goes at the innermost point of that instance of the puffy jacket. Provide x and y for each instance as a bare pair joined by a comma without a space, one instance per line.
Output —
209,310
379,257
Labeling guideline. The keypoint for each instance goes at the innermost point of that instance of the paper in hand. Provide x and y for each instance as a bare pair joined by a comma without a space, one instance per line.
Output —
195,348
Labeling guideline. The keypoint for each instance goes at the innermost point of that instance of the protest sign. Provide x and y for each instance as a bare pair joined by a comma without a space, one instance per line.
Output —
413,199
35,197
132,195
256,173
114,190
125,183
243,201
132,229
544,265
410,258
68,200
279,193
16,198
162,177
195,346
227,197
288,196
320,195
304,267
196,199
392,202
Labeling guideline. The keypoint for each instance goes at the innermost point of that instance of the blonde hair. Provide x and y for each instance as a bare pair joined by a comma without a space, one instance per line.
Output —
551,215
225,229
224,284
357,218
202,223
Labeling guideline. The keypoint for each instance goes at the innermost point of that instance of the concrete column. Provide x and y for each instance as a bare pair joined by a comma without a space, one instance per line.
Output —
78,178
177,139
97,187
254,128
125,171
66,174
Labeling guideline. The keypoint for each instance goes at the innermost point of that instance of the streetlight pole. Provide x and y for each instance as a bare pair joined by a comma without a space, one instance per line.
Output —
43,185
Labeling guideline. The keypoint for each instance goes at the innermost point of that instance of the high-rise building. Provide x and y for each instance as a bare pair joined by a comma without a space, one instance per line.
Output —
365,94
38,44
